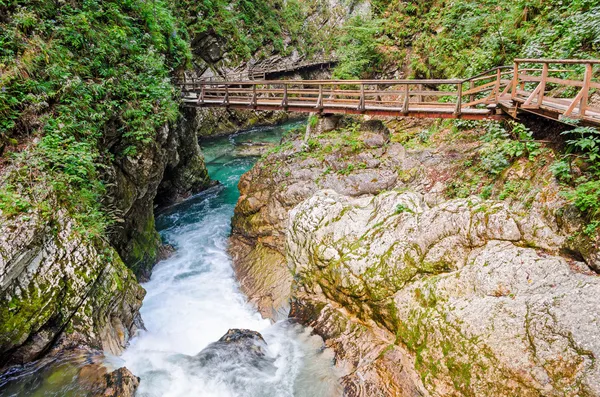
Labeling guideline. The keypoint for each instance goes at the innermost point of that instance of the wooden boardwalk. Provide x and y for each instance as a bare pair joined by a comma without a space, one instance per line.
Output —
550,88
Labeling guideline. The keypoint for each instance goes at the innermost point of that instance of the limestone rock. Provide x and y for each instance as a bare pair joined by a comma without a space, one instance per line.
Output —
477,308
53,279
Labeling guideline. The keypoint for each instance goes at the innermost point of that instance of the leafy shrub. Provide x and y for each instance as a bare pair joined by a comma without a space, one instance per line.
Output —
77,76
503,147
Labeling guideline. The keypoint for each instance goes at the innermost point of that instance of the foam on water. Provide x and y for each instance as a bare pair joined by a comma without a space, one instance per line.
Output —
193,299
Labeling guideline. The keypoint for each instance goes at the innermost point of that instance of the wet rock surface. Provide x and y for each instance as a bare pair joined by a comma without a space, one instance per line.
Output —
54,279
417,293
238,359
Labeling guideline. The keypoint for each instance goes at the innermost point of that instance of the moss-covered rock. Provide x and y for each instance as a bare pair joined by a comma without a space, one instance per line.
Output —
478,310
54,280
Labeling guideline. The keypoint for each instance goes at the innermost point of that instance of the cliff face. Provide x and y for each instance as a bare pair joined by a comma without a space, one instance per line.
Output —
59,286
90,129
167,170
422,287
55,283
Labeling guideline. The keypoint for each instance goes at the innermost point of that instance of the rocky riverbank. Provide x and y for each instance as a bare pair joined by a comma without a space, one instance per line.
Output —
61,288
426,273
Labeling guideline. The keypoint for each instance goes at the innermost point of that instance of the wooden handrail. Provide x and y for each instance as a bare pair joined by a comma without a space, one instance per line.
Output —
511,88
562,61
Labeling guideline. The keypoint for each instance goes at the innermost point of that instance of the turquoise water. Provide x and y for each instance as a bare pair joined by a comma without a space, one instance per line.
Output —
192,300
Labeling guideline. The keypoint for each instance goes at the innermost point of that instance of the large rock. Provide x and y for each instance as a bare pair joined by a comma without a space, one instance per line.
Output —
54,280
269,193
162,171
478,297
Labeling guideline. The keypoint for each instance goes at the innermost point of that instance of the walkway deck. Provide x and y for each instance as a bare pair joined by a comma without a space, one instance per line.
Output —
550,88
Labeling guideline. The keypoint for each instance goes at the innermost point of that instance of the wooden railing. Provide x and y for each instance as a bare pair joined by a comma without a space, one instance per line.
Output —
530,85
565,90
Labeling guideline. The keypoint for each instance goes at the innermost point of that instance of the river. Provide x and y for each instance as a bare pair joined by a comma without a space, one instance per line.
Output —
193,299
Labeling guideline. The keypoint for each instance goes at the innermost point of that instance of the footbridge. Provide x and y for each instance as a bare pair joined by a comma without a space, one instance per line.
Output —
557,89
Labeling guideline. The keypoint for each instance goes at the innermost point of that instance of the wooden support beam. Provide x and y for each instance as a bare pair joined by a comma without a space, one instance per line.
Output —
532,96
543,84
458,109
573,105
406,105
583,104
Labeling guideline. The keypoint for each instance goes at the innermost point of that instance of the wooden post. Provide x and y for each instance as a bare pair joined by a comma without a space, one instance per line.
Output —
284,102
543,84
254,96
420,96
320,100
377,97
202,93
497,87
226,99
458,110
405,107
515,80
583,104
361,102
471,87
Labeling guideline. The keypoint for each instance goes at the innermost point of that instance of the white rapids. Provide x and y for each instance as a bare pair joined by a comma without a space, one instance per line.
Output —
193,299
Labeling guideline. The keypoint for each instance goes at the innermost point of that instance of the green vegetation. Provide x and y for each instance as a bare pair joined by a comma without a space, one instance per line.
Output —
246,28
505,146
579,170
461,38
357,51
72,76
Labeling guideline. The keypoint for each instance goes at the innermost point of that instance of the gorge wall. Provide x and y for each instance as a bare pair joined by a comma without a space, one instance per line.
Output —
378,240
89,159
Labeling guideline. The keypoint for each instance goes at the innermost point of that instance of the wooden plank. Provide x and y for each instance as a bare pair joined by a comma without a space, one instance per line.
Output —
563,61
583,104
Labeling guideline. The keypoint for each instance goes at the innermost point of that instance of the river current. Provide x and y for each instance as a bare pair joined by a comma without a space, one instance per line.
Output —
193,299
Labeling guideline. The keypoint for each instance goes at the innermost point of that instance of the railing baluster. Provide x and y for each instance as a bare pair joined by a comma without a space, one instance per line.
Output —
497,87
254,96
583,104
515,80
458,109
284,102
405,106
361,102
471,87
320,100
202,93
226,99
